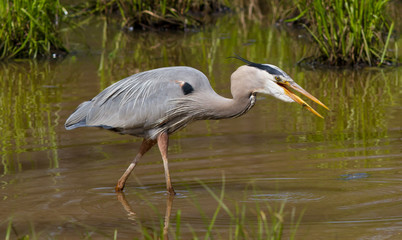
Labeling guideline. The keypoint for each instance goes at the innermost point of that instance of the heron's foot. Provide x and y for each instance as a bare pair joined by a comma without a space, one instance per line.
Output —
119,187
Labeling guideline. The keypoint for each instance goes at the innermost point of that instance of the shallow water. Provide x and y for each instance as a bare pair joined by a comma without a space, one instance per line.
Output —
342,175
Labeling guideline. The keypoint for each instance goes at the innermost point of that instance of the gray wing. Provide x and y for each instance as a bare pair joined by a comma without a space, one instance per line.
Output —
140,102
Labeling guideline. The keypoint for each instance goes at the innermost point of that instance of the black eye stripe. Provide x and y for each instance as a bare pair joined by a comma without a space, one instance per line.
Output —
267,68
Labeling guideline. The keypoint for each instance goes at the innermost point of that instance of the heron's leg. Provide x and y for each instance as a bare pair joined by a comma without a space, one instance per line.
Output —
163,142
169,204
145,146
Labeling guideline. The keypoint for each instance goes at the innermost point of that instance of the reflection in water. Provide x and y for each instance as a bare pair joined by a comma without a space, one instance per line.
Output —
30,104
359,117
169,204
122,199
131,214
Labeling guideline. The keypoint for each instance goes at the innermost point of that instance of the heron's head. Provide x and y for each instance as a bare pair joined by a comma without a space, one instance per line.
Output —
271,80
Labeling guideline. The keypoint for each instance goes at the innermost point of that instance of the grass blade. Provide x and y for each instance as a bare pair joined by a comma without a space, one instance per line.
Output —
386,43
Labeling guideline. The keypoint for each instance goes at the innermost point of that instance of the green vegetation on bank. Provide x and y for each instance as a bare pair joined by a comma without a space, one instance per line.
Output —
351,32
348,32
154,14
28,28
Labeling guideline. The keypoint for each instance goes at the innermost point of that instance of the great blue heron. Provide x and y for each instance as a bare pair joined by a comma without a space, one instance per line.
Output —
156,103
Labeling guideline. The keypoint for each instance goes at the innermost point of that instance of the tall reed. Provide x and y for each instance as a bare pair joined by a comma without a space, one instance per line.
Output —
28,28
348,32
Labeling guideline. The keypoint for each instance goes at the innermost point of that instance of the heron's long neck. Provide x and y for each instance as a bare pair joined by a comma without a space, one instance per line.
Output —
219,107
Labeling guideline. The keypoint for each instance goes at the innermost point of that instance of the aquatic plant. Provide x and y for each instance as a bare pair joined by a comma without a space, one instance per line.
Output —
154,14
268,224
28,28
348,32
245,221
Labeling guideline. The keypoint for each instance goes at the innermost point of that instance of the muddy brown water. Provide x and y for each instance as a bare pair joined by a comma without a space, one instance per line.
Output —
341,174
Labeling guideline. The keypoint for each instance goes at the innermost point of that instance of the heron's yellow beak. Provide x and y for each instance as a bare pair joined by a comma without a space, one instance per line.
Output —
288,87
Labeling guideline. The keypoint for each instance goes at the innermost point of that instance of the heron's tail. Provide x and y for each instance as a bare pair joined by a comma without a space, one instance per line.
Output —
78,118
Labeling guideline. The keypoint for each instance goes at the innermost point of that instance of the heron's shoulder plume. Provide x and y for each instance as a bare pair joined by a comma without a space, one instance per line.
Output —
266,67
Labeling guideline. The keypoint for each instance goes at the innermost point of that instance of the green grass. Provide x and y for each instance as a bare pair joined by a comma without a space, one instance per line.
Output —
153,14
348,32
268,221
29,28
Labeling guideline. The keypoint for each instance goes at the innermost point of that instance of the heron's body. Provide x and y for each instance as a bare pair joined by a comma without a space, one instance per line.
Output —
156,103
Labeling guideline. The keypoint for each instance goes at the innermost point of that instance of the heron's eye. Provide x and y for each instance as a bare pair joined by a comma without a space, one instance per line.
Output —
278,79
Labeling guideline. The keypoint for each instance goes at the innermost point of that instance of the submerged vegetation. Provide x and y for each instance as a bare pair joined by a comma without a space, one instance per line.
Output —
28,29
348,32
